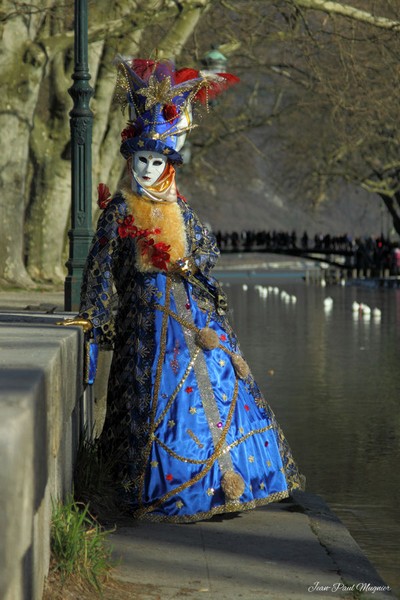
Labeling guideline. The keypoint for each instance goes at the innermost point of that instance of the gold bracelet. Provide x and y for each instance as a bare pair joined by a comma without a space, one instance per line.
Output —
77,322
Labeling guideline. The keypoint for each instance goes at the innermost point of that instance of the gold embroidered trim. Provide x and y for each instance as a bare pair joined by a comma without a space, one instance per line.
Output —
208,465
200,369
245,437
192,327
176,390
217,510
188,369
195,438
180,320
163,343
178,456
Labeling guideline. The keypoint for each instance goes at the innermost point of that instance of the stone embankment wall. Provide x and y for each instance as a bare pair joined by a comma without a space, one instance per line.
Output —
41,416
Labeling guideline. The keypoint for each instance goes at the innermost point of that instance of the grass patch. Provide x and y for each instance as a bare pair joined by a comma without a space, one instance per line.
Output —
78,548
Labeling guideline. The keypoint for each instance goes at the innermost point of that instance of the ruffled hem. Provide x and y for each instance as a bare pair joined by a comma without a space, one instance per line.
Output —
229,507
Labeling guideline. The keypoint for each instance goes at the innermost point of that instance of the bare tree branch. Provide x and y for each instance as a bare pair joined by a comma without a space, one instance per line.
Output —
346,10
62,41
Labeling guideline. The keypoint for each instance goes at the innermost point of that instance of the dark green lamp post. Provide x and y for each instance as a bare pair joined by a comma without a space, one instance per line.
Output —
80,234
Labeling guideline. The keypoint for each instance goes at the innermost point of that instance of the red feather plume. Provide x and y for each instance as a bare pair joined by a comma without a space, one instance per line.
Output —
143,68
185,74
216,87
104,195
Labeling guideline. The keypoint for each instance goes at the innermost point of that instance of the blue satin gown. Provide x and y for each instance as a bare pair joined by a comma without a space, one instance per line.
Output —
192,432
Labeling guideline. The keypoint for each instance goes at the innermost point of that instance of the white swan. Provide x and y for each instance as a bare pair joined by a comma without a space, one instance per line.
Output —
365,309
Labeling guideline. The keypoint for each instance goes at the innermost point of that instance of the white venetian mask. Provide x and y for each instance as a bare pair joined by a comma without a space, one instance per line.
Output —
148,167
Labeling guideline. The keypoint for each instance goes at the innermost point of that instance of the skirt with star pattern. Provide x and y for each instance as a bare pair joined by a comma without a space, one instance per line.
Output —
194,432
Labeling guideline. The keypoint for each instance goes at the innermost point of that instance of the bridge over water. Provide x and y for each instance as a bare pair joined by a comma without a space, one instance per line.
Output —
343,259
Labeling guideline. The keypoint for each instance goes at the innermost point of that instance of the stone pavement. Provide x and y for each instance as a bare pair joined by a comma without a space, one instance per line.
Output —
290,550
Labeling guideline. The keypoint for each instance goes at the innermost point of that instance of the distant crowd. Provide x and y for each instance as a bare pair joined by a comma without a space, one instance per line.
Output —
361,253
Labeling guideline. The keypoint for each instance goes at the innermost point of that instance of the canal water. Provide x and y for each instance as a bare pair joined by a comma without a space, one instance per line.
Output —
332,376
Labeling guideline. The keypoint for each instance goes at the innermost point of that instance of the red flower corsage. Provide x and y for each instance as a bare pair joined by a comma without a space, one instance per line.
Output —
158,252
160,256
127,228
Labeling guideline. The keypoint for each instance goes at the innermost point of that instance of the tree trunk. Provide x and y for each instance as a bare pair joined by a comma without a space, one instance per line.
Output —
393,206
35,181
48,218
174,41
21,76
50,186
49,212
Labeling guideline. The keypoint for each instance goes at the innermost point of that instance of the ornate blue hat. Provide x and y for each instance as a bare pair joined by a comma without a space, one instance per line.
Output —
160,103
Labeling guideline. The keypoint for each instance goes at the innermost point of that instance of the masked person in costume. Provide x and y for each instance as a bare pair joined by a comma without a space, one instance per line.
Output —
192,432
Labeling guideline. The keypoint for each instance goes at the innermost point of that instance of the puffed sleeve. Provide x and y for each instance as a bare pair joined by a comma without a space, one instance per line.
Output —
97,289
204,249
204,254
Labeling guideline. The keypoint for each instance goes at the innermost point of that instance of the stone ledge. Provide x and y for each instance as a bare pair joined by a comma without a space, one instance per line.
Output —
41,395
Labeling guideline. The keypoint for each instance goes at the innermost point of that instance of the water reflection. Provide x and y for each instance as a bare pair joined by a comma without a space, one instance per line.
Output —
335,389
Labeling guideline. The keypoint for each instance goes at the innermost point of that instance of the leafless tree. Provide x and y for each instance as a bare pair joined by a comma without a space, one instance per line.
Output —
322,77
319,77
35,74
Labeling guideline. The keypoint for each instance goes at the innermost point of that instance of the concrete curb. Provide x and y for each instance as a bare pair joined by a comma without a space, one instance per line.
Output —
353,567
